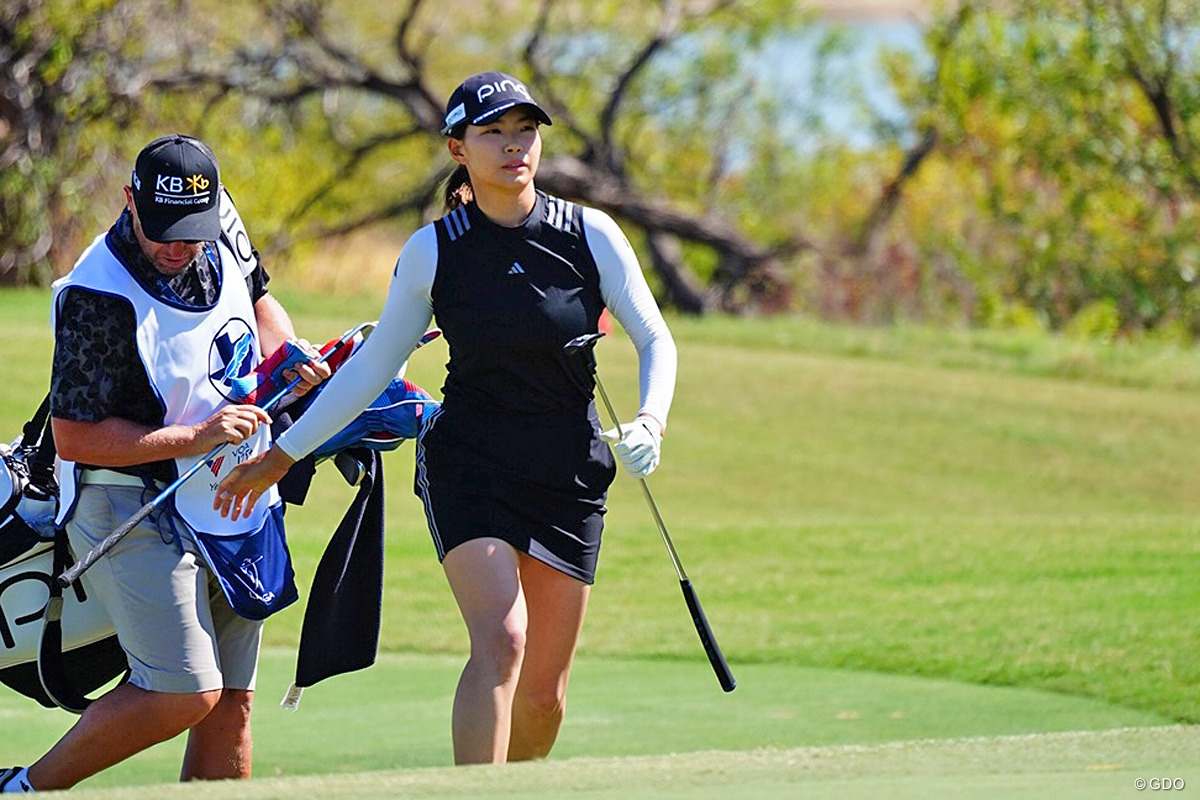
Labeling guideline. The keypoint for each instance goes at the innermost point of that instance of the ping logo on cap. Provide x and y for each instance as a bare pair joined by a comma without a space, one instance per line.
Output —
508,84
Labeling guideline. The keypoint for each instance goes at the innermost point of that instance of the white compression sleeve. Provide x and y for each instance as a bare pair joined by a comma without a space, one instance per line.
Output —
405,316
628,297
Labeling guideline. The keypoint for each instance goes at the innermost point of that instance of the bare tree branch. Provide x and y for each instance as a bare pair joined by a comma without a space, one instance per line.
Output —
571,177
683,291
356,156
531,56
416,202
1156,85
889,200
667,28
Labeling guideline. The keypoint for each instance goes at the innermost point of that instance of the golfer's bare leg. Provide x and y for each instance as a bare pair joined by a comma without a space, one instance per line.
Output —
117,725
556,604
483,574
219,745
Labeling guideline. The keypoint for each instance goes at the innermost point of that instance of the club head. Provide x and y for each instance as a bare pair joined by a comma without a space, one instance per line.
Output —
429,336
351,468
581,344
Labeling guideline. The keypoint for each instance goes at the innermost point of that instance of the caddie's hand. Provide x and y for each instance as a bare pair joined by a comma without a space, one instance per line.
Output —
639,449
231,424
311,374
241,488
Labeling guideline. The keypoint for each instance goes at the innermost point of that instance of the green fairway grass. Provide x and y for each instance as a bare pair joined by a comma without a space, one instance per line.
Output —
975,511
396,715
1066,766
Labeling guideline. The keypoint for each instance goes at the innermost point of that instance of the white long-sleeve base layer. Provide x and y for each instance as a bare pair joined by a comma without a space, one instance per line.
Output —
409,310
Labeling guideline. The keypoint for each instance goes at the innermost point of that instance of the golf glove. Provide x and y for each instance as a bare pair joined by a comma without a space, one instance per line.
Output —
638,450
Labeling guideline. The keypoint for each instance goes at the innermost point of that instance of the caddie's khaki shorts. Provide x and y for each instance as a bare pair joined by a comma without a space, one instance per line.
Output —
174,623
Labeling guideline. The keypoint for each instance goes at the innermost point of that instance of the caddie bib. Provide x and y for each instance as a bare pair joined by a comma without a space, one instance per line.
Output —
191,356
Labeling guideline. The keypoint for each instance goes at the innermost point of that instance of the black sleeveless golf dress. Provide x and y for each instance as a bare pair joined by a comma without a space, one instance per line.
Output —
514,451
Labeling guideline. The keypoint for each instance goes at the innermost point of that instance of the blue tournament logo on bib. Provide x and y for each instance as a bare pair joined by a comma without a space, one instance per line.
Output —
233,355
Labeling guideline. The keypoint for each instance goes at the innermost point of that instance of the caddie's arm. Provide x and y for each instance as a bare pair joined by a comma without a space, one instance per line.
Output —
88,392
275,328
117,442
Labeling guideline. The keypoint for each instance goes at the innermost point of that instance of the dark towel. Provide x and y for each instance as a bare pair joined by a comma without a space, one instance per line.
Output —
341,622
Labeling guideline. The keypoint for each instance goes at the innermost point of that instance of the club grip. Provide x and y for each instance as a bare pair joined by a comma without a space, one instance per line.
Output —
715,657
72,574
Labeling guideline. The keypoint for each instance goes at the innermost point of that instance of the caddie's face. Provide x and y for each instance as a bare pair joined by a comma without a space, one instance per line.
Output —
169,258
503,154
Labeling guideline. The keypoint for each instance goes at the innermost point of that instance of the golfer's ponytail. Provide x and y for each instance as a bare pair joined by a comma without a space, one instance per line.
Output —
458,188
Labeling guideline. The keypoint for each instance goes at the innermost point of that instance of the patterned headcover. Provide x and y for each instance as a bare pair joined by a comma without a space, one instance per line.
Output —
267,379
390,419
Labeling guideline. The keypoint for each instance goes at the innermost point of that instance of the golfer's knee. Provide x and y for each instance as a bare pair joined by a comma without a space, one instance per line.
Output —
234,706
545,704
201,704
503,651
186,709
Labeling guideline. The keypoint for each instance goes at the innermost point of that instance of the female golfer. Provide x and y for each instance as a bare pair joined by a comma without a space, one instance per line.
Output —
512,469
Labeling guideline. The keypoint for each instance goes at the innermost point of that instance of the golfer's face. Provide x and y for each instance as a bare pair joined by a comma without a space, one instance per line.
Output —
169,258
504,153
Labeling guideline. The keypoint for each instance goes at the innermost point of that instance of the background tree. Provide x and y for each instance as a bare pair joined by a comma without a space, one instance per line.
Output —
1063,186
69,77
650,103
1043,170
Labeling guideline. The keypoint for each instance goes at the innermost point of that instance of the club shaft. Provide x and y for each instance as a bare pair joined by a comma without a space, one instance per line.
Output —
662,529
72,573
658,520
707,639
612,414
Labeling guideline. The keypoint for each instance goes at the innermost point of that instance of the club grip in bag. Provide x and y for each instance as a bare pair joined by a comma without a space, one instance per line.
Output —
715,657
70,575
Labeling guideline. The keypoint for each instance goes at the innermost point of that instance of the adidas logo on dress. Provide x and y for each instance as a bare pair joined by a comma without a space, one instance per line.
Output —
517,269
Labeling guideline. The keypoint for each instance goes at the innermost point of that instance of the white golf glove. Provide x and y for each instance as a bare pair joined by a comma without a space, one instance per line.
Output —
638,450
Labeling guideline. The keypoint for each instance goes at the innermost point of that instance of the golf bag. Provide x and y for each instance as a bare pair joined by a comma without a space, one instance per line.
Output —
54,647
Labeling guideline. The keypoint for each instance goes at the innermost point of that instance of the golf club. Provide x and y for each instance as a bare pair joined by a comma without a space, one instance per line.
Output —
579,346
72,574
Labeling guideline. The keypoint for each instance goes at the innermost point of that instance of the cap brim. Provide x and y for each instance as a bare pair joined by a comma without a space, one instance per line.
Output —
501,110
202,226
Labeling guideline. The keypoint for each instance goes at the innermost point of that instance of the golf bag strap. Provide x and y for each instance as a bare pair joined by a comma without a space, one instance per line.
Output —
41,469
51,670
32,431
39,432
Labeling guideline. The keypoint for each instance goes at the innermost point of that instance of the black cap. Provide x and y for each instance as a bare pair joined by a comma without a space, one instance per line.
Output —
484,97
175,188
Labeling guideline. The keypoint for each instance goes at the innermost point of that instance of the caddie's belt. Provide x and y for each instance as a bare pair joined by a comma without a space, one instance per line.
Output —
110,477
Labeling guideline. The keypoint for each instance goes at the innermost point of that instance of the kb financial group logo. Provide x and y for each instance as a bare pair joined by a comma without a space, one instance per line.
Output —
182,191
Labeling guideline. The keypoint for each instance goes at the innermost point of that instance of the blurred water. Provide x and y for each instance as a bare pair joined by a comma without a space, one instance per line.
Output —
845,91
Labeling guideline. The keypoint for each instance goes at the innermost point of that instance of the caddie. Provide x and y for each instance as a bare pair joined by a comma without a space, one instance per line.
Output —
158,318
